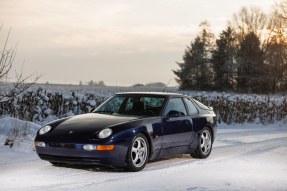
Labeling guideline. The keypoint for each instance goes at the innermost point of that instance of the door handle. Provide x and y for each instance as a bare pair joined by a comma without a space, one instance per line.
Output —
188,122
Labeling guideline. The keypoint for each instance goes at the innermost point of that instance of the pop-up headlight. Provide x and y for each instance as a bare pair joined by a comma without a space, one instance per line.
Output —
105,133
45,129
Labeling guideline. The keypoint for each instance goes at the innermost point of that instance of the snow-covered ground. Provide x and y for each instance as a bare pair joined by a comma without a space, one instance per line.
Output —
22,133
244,157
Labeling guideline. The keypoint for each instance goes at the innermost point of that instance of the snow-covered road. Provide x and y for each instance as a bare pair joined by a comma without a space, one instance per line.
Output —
242,159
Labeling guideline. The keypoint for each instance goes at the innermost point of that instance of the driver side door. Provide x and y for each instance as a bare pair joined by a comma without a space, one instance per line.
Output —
177,131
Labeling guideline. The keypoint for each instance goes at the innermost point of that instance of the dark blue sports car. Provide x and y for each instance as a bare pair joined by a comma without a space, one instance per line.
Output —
129,129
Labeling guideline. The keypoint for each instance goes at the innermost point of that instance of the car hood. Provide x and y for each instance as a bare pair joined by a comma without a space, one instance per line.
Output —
88,124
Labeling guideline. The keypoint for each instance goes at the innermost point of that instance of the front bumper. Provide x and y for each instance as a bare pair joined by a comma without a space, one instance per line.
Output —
77,155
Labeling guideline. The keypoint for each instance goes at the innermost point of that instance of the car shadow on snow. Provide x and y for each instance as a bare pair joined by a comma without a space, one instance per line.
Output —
92,168
183,156
99,168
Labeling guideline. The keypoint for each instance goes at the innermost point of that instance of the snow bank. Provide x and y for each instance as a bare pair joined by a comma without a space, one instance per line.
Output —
8,123
18,136
246,125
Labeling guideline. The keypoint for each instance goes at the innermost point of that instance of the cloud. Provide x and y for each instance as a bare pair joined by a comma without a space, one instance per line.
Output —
101,38
66,54
218,18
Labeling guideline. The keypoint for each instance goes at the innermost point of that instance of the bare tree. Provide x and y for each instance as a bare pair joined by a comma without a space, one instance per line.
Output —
280,10
249,24
248,20
275,47
7,57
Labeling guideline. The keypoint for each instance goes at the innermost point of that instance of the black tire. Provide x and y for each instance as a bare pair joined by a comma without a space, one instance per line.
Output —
200,152
57,163
131,155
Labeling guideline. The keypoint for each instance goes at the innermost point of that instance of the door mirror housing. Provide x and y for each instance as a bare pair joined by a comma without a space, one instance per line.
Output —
173,113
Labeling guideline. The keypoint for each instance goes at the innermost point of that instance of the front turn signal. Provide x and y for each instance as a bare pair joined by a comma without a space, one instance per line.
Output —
105,147
39,144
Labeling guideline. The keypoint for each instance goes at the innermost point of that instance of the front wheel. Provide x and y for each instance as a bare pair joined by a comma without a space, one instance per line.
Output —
204,146
138,153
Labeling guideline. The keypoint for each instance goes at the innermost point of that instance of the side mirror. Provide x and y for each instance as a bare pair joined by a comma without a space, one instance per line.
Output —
91,110
173,113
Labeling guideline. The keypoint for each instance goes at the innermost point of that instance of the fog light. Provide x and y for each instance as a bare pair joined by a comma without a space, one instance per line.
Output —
90,147
39,144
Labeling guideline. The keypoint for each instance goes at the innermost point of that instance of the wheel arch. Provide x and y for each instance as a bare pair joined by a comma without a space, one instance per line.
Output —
146,134
211,130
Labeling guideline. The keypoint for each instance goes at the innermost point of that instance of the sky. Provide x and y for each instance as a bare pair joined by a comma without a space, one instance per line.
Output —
122,42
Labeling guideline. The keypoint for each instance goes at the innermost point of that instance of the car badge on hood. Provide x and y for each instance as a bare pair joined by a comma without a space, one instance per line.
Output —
71,132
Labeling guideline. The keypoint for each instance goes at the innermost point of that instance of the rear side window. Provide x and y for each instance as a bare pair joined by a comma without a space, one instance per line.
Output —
200,104
177,105
191,108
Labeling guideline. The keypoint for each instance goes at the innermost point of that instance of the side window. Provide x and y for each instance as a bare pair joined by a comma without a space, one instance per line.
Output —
200,104
177,105
192,109
129,104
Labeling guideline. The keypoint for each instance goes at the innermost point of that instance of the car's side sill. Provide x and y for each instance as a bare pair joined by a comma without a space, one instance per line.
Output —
175,151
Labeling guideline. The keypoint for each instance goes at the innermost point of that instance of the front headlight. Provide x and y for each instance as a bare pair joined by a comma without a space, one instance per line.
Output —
105,133
45,129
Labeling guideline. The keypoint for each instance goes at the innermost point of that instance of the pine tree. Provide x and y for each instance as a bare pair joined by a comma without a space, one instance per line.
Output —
251,69
101,83
223,61
194,72
188,74
91,83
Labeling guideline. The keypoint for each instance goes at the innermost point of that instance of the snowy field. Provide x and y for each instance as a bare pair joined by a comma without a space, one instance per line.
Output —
244,157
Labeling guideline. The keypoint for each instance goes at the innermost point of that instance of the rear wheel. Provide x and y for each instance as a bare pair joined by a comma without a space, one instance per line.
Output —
204,146
138,153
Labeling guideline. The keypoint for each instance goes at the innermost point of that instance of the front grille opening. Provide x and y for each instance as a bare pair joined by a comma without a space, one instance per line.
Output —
62,145
70,159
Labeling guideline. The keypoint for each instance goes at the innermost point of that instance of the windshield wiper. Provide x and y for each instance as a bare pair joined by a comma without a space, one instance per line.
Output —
104,112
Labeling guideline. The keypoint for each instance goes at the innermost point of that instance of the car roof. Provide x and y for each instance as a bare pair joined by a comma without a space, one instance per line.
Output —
149,93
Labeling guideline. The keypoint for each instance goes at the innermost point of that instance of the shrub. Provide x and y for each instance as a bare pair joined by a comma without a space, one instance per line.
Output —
41,105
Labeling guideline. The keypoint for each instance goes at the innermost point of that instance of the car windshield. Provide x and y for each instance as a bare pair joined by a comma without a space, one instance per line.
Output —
132,105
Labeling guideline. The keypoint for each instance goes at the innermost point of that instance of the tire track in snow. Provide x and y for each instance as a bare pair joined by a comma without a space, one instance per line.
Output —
219,155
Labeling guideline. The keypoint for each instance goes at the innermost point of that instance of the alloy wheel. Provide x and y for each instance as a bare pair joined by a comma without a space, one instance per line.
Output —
205,142
139,152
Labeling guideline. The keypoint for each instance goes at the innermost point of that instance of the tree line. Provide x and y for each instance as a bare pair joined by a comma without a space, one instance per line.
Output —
92,83
249,56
